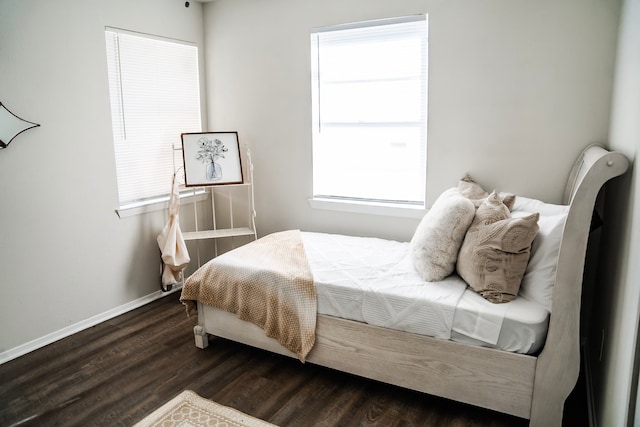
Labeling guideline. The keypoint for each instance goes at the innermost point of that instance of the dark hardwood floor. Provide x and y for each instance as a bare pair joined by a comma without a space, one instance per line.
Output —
117,372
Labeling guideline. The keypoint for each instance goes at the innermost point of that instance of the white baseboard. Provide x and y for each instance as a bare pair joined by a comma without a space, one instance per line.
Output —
30,346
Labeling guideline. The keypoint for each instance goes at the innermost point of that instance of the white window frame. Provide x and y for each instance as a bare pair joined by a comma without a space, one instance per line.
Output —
147,122
411,207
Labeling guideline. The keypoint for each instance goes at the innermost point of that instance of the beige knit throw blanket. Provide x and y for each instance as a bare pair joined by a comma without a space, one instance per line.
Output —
267,282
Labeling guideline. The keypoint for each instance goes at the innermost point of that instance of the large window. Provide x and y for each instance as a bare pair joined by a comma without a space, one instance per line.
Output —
155,96
369,96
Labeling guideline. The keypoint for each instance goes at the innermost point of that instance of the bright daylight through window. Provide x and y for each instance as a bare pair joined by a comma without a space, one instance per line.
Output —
369,97
155,96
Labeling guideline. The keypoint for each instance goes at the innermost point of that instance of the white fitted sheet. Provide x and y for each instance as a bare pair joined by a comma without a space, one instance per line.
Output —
373,280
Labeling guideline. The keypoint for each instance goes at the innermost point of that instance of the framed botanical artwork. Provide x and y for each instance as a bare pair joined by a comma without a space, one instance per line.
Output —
211,158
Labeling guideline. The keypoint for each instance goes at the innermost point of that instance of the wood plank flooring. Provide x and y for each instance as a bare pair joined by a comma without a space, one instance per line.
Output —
117,372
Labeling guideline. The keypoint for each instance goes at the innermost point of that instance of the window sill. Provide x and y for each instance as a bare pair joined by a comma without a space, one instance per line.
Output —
370,208
158,204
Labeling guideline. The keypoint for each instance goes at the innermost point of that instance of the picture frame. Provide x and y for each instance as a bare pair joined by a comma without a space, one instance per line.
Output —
211,158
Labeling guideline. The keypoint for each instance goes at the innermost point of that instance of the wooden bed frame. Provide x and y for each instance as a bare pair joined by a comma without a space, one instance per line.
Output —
531,387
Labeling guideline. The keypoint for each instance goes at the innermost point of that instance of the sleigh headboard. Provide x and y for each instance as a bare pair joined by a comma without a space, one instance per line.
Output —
607,164
559,362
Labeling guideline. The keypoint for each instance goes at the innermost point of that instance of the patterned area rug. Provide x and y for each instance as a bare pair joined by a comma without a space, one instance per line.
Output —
189,410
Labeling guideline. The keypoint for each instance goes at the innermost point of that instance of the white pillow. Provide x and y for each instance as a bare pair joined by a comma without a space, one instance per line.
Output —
437,240
540,275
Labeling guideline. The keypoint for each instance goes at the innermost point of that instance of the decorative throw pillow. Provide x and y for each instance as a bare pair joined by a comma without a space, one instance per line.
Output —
437,239
495,251
470,189
473,191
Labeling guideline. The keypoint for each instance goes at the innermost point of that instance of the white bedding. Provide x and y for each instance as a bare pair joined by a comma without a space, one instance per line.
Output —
373,280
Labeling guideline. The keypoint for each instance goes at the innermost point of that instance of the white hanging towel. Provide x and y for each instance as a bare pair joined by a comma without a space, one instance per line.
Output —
175,255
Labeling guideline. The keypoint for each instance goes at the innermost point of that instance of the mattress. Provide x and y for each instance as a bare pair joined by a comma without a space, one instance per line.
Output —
373,280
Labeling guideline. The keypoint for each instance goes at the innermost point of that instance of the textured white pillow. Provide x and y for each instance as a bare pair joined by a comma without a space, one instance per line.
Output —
437,240
540,276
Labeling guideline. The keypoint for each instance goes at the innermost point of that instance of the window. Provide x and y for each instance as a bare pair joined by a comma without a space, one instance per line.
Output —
369,94
155,96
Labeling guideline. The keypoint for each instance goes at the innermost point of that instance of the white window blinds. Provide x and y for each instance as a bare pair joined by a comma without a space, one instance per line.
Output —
369,91
155,96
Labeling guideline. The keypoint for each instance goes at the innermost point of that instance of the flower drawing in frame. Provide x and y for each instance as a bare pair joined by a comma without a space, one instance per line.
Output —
211,158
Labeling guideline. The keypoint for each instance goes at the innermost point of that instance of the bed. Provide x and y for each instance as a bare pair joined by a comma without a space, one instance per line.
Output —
522,358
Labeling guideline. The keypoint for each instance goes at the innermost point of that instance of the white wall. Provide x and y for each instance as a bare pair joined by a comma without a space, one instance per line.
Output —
614,359
65,256
517,89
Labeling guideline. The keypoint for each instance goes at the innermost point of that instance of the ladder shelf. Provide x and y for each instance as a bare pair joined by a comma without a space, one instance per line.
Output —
232,194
